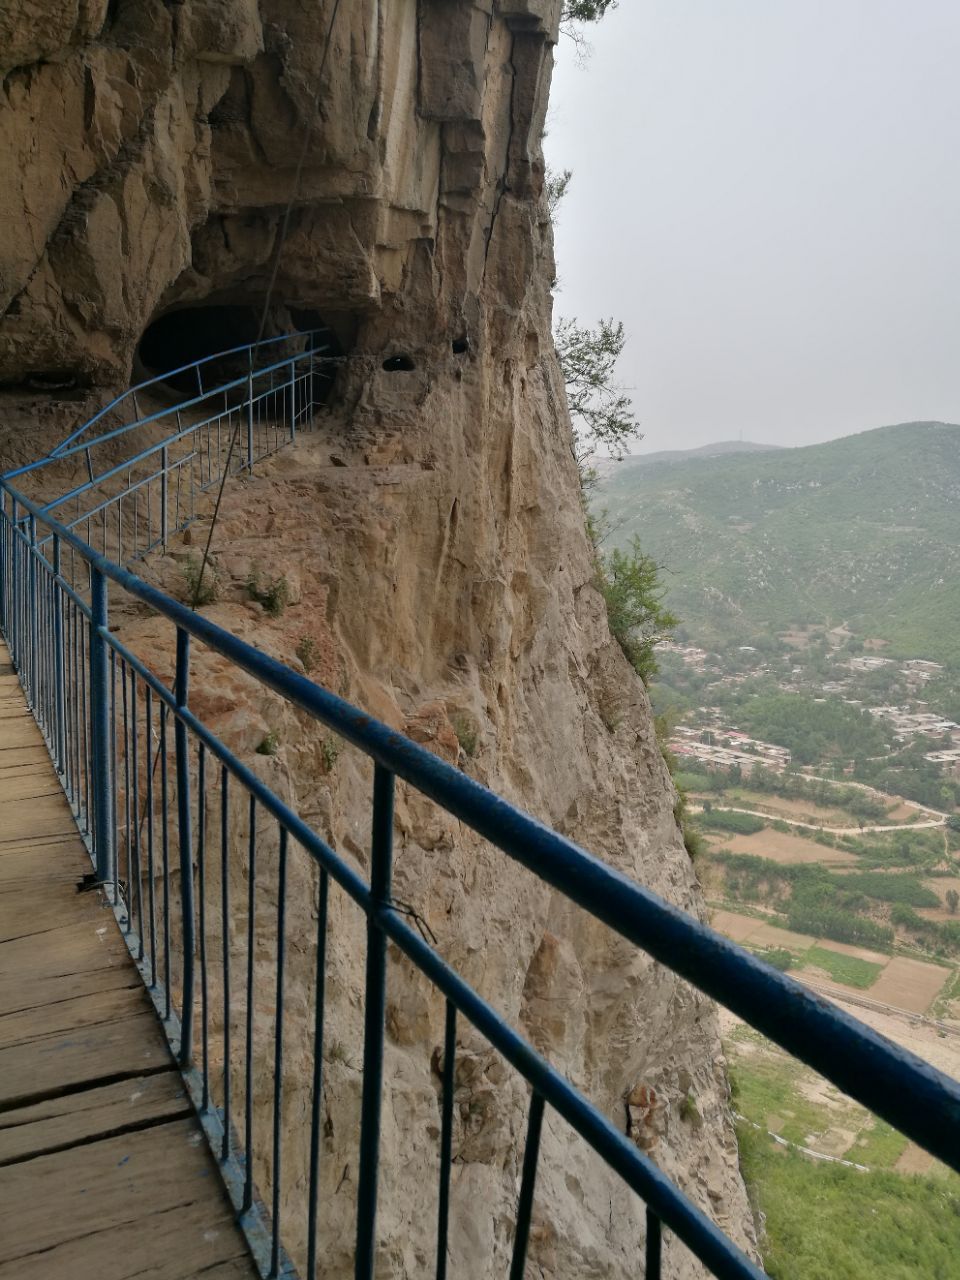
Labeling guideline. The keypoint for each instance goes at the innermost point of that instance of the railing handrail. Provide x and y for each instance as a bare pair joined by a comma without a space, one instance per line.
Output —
160,445
56,621
912,1095
63,449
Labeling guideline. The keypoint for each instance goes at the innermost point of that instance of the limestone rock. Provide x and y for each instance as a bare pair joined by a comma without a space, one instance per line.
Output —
432,528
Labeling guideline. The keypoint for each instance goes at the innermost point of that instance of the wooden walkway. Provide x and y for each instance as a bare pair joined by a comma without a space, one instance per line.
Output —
104,1172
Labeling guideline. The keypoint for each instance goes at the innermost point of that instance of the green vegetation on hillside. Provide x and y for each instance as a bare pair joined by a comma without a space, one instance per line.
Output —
943,936
815,901
861,530
850,970
891,888
633,593
859,803
812,728
744,824
908,774
922,849
830,1222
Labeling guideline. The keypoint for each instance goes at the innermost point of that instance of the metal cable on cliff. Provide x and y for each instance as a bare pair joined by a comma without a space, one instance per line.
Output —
271,285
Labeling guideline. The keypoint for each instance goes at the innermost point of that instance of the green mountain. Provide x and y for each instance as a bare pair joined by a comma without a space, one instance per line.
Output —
716,450
864,531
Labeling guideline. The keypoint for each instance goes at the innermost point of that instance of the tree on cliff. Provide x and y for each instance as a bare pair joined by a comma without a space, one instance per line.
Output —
601,414
633,590
600,409
584,10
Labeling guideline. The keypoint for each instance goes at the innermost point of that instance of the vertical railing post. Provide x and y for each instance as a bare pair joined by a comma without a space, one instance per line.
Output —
381,870
59,695
33,607
250,414
164,499
4,560
13,635
654,1246
293,399
531,1155
181,693
102,765
446,1137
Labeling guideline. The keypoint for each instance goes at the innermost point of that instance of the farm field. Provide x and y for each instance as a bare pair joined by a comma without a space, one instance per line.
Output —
909,984
784,848
940,885
800,810
900,981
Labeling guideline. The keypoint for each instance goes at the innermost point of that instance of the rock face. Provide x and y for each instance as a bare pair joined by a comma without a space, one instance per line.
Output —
432,541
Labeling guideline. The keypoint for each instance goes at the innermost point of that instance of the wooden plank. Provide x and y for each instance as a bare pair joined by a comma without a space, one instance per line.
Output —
36,908
104,1172
174,1245
91,943
53,1021
53,860
25,818
57,961
26,758
20,993
124,1040
38,785
11,711
37,845
64,1121
21,733
90,940
147,1202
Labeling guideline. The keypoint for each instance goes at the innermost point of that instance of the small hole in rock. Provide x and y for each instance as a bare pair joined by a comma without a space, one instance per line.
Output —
460,346
52,380
398,364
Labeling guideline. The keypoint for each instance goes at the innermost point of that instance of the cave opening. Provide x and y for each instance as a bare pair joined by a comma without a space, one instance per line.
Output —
399,364
187,334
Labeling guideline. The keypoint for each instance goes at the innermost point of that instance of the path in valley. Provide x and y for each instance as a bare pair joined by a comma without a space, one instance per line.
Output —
833,831
882,795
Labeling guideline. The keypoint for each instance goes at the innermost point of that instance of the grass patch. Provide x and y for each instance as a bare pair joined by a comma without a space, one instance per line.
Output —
689,1110
891,887
879,1147
766,1089
827,1222
850,970
468,735
273,595
949,991
744,824
307,652
779,957
200,590
329,753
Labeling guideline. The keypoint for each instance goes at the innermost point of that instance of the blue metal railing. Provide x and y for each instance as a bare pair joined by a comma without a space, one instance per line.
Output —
129,505
174,819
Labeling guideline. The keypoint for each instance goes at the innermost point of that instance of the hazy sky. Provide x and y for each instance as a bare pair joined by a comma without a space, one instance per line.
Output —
767,193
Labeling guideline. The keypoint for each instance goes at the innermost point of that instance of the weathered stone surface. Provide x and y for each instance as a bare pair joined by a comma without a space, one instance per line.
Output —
431,531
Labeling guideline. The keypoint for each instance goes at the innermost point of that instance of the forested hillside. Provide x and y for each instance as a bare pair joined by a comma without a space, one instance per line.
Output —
862,530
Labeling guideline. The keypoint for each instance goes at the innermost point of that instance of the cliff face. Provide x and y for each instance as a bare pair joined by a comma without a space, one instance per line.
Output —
430,534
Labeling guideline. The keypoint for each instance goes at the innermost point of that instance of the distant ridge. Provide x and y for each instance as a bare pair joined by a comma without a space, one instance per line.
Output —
863,530
717,450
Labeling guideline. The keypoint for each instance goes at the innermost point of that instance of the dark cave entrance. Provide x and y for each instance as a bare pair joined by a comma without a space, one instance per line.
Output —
187,334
